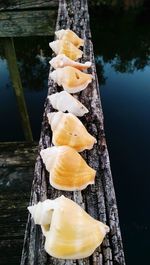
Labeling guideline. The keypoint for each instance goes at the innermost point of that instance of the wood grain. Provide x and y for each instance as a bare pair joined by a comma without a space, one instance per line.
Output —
27,23
27,4
15,182
99,199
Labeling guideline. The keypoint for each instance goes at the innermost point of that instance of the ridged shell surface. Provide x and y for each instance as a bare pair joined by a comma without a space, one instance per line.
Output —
68,170
71,36
71,79
71,233
67,48
68,130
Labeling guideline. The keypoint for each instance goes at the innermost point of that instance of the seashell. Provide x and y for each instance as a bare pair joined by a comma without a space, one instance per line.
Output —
68,130
69,35
71,233
65,102
41,212
71,79
62,60
68,170
67,48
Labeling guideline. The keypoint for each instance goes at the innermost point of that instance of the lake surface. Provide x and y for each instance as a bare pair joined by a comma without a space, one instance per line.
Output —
122,51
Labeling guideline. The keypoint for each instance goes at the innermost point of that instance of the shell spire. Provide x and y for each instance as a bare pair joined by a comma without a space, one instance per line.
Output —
41,212
75,175
70,236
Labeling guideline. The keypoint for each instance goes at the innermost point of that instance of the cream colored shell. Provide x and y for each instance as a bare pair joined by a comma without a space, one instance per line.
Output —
67,48
71,79
71,36
68,130
63,101
70,232
68,170
61,60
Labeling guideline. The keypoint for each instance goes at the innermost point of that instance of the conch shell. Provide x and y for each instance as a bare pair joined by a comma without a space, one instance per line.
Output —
71,79
67,48
63,101
70,232
62,60
68,170
69,35
68,130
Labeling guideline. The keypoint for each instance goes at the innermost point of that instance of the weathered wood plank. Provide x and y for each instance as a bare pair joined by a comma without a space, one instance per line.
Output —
15,183
17,154
26,4
27,23
99,199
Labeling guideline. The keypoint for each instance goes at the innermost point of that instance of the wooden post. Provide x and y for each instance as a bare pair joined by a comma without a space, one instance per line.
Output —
17,85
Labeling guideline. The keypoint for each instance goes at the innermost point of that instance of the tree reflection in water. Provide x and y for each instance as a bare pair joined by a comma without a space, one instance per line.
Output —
121,38
33,61
33,55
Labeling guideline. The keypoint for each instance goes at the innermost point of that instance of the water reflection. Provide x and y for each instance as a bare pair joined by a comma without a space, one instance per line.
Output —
33,62
33,55
122,38
122,51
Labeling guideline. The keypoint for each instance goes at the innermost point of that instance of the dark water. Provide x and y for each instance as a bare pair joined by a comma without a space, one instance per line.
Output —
33,54
122,51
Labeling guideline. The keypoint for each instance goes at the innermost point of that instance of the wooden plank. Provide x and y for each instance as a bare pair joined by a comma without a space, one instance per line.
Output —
15,183
98,200
17,86
26,4
17,154
27,23
13,203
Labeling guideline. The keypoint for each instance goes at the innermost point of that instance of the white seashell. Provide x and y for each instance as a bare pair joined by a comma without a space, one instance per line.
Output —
41,212
59,33
71,79
70,232
63,101
55,46
61,60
